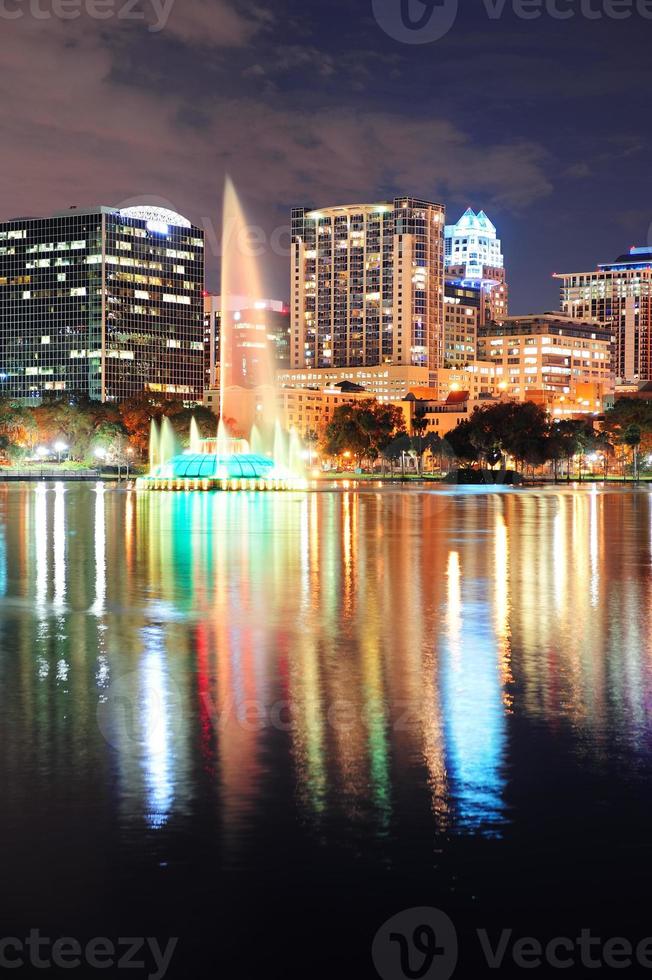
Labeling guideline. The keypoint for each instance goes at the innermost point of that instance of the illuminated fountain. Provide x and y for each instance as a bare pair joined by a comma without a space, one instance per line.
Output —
252,451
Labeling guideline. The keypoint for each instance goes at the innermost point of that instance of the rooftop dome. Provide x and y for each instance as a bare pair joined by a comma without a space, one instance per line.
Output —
155,216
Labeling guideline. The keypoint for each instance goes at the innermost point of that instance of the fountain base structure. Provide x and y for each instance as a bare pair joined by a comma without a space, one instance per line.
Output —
220,471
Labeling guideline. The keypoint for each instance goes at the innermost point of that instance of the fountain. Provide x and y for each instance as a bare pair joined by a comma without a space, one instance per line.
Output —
251,451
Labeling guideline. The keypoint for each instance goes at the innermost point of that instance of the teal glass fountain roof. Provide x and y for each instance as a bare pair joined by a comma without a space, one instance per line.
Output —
236,467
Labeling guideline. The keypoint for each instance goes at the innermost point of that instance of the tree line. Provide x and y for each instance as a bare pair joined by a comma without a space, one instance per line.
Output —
520,432
86,426
364,431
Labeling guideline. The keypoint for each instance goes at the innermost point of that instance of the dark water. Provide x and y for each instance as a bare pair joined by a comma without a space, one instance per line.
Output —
266,723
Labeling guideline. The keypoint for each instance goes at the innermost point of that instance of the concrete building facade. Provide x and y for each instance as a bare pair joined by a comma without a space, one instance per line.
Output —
368,285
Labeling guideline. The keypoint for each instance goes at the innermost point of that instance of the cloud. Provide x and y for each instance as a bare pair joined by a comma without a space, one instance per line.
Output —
73,125
215,23
579,170
87,120
329,155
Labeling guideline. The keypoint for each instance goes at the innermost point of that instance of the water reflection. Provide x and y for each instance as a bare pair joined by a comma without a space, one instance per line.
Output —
473,707
357,647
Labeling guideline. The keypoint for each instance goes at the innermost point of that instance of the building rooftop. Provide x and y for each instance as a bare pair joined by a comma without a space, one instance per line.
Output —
637,257
154,216
470,222
378,207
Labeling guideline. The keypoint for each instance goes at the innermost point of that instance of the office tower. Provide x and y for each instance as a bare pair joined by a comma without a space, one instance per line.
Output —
474,258
620,294
102,302
550,357
212,325
368,285
461,321
275,314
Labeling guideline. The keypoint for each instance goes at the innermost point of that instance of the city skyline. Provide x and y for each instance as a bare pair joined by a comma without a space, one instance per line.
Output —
325,487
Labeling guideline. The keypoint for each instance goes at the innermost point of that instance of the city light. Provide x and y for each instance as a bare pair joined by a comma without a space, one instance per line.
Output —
60,448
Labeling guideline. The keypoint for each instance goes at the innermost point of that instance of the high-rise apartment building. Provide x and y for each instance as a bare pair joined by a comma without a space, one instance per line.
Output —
619,294
102,302
474,258
368,285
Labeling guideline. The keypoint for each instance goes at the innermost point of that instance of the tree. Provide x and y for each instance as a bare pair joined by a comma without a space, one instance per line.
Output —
136,415
206,422
17,428
566,439
630,411
109,437
511,429
524,430
421,441
632,438
460,443
363,429
395,451
59,421
633,416
73,421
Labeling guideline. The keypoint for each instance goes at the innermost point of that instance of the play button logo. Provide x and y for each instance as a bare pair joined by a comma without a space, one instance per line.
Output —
416,21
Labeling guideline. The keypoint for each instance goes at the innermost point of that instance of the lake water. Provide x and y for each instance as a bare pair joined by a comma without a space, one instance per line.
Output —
264,724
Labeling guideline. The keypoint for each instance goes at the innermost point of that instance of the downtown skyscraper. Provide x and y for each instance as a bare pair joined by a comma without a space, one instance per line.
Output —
368,285
618,294
103,302
474,260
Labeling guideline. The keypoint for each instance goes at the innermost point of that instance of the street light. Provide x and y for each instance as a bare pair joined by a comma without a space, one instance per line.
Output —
59,448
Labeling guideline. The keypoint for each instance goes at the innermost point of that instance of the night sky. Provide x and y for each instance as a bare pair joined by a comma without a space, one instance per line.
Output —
544,123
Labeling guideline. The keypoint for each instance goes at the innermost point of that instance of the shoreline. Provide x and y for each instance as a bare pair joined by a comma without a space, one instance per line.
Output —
52,476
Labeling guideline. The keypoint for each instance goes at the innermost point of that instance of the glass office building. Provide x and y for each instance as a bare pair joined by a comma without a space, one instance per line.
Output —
102,302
